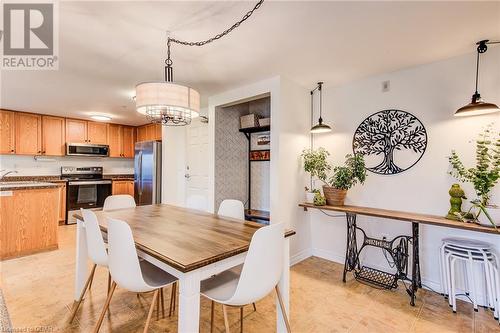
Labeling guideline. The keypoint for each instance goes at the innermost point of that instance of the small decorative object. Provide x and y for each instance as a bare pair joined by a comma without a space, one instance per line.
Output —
319,200
456,196
343,178
263,140
249,121
477,106
484,176
264,122
260,155
310,194
391,141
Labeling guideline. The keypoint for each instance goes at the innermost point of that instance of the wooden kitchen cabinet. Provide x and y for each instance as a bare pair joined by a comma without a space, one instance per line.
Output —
28,221
28,129
53,136
123,187
76,131
97,133
149,132
7,132
121,141
62,203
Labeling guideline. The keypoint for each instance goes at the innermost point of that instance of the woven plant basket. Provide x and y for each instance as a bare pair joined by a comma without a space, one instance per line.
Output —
334,197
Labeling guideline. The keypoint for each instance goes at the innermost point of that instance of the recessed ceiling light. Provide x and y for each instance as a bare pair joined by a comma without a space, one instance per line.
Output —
101,118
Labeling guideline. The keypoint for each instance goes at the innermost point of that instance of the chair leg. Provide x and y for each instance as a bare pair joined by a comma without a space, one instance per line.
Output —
212,310
283,310
92,278
241,320
254,307
87,285
109,281
162,303
158,306
175,296
226,321
151,309
105,308
171,309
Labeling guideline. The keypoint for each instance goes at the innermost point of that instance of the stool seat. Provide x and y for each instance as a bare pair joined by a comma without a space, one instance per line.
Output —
467,243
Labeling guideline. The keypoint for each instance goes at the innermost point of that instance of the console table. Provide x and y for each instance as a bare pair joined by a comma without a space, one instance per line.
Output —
397,248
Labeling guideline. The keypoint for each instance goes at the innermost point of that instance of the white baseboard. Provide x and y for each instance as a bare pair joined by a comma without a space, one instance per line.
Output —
298,257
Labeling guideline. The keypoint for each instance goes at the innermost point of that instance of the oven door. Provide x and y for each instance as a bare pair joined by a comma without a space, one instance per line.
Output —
87,194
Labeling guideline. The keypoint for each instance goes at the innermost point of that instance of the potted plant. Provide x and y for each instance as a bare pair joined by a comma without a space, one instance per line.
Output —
316,164
343,177
484,176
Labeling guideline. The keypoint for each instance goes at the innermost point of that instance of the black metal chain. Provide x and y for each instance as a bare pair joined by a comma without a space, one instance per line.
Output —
170,40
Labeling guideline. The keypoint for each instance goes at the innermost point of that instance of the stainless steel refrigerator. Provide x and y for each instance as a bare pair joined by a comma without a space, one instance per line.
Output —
147,173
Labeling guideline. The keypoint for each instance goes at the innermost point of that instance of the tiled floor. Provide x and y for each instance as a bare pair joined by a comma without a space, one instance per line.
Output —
38,291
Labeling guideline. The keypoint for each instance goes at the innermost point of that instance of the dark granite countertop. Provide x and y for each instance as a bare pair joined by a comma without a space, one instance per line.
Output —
119,177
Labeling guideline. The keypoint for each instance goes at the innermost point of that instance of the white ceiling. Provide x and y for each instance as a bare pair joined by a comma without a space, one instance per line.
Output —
108,47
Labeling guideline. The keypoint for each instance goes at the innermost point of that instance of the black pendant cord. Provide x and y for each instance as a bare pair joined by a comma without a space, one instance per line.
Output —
320,120
477,72
169,76
482,47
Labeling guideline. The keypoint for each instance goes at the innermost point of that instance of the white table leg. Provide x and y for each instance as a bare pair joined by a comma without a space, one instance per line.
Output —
81,259
189,302
284,286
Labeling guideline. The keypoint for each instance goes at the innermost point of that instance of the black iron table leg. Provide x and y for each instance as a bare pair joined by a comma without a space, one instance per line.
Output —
351,251
415,271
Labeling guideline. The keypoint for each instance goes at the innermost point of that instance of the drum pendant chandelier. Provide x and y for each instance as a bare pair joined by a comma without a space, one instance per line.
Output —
173,104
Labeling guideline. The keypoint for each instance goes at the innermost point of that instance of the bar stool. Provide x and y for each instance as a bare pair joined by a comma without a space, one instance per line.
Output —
469,252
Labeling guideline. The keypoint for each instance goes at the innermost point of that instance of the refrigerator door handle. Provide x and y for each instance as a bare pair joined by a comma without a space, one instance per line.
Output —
140,172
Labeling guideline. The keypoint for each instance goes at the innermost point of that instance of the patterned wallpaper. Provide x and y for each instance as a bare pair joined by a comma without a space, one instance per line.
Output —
231,156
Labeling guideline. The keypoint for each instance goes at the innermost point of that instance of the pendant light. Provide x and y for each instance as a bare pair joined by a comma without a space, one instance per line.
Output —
477,106
173,104
319,127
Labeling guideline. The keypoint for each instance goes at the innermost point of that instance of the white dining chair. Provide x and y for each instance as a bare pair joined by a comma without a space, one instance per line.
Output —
197,202
119,201
130,273
259,275
232,208
96,251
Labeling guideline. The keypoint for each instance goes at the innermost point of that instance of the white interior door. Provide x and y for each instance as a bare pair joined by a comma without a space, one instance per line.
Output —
196,172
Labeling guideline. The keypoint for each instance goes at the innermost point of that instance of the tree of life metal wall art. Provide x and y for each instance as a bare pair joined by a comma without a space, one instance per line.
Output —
391,141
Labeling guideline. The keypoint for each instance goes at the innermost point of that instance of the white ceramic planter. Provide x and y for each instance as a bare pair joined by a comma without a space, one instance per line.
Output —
310,197
494,212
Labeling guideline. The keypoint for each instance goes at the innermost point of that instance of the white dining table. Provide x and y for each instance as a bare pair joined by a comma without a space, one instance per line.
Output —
189,244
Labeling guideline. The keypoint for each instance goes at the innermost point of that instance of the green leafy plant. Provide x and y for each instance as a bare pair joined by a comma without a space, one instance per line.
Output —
346,176
311,191
315,162
484,176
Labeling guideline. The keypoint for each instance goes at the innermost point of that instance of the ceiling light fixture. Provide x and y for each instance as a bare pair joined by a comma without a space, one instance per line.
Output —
101,118
173,104
477,106
319,127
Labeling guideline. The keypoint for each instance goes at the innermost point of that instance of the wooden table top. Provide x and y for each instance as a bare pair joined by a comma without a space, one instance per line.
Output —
183,238
406,216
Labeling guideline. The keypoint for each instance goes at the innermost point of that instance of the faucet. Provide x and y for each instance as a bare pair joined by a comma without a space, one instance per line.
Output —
8,172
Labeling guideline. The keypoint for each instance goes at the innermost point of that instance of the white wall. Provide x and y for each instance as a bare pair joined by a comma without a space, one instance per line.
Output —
290,118
51,166
432,93
173,165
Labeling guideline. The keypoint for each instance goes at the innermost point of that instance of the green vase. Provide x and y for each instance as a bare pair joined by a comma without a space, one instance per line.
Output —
456,196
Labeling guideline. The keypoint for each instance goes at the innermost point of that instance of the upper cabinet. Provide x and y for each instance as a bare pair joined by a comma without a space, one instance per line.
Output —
53,136
81,131
76,131
149,132
121,140
97,133
28,128
7,133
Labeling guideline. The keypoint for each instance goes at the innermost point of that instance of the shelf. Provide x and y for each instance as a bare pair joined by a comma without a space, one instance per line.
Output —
250,130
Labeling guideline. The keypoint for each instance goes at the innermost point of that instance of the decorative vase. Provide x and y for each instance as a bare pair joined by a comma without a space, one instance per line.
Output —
456,196
310,197
319,200
494,212
334,196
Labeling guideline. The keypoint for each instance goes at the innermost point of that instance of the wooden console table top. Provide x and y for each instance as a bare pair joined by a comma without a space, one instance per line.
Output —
405,216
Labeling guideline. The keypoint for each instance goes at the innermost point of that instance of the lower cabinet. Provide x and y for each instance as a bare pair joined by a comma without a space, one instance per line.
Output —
28,221
123,187
62,204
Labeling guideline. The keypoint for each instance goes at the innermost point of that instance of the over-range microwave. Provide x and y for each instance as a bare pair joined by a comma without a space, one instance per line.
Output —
87,149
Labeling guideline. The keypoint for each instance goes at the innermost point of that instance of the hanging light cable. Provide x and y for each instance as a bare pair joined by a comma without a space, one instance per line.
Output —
173,104
319,127
477,106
